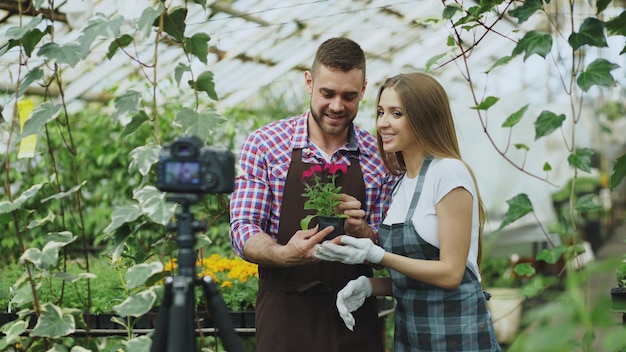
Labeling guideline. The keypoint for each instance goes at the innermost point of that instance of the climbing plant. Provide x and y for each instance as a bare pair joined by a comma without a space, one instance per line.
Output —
571,37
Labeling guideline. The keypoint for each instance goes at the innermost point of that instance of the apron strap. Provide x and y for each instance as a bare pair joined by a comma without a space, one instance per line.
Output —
418,188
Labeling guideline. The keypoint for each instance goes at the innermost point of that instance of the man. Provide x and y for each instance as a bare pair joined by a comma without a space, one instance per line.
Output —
295,308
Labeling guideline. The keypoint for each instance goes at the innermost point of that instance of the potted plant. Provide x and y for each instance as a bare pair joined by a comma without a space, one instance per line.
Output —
323,197
618,294
505,304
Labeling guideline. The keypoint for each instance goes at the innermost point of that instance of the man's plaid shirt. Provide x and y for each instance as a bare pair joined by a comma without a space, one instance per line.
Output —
264,162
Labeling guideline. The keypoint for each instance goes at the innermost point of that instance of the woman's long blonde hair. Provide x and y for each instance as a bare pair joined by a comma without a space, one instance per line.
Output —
427,108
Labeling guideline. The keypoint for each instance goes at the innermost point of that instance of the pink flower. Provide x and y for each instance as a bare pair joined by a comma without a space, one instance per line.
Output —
333,168
311,171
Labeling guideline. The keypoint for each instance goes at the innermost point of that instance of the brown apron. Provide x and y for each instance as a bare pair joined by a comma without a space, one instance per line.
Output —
295,309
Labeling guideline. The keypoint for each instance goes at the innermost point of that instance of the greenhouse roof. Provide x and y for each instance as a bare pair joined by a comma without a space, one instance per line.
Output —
254,45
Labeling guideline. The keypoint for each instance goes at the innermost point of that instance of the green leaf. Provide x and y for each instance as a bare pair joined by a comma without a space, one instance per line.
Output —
174,23
126,103
69,54
547,167
205,83
487,103
602,5
581,159
148,19
39,222
521,146
7,206
198,45
551,256
120,236
153,204
201,3
137,304
50,252
121,216
139,343
24,295
72,278
528,8
304,223
585,204
121,42
597,73
137,121
450,10
179,70
547,122
201,124
515,117
519,206
99,25
138,274
32,255
13,331
53,323
433,60
43,114
617,25
12,43
17,33
591,32
143,158
62,195
501,61
524,269
32,76
533,42
31,39
619,172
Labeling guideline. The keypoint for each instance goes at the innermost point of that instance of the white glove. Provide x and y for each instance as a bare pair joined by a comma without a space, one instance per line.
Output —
352,297
353,251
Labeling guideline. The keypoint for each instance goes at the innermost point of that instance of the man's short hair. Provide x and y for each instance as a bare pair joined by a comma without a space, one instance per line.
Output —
339,53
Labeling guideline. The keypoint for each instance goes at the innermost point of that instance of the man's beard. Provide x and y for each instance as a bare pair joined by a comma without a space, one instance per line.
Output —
331,129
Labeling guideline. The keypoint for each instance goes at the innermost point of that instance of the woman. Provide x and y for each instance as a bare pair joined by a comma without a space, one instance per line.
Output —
432,231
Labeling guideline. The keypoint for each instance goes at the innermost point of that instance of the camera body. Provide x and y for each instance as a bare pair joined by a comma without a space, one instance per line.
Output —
188,166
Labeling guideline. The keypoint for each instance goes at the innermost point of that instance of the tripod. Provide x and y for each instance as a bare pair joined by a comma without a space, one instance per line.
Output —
175,330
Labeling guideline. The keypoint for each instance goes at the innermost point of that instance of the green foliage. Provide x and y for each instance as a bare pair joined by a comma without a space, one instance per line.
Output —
471,27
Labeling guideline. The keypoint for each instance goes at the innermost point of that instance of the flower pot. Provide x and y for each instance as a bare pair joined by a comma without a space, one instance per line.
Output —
335,221
618,299
505,306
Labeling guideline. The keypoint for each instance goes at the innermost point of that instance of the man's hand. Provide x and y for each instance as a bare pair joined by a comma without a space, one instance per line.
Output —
356,225
352,297
301,246
350,251
263,249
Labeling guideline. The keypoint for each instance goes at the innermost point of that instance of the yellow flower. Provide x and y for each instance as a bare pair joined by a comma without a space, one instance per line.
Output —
237,277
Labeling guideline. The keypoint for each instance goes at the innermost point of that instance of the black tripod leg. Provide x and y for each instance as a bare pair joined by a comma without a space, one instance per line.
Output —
174,330
182,335
222,320
159,335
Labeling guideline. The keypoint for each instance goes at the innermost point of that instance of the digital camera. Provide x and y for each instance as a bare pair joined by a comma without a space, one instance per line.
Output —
188,166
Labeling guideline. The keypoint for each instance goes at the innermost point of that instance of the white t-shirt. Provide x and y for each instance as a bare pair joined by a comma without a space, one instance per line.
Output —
443,176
